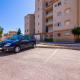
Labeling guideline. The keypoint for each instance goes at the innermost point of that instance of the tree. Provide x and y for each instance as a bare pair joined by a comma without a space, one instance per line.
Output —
76,33
19,31
1,31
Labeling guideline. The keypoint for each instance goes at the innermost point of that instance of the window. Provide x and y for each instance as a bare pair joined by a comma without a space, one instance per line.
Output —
67,22
25,24
67,33
50,29
38,31
67,11
59,34
46,29
38,9
59,24
27,30
59,3
38,23
55,5
38,5
38,16
55,24
46,12
59,13
46,4
46,20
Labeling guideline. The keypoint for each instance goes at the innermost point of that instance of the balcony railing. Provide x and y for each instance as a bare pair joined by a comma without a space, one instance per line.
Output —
50,29
49,23
49,15
50,3
49,8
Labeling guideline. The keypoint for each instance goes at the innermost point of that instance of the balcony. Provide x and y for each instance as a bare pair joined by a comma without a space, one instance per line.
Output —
49,8
49,15
50,29
49,23
49,5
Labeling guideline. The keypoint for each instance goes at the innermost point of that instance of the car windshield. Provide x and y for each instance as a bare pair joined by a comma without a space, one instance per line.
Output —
16,37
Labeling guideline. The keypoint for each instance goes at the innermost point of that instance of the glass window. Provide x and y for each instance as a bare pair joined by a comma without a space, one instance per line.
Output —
55,5
59,3
58,24
67,33
59,34
67,22
59,13
67,11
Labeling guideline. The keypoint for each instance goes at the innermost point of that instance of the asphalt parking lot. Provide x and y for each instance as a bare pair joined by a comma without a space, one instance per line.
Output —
41,64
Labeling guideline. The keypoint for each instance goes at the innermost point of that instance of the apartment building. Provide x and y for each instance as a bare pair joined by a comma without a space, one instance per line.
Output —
30,24
66,17
44,18
56,18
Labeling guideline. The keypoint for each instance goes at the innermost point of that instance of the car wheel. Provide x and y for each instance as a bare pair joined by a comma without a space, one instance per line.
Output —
17,49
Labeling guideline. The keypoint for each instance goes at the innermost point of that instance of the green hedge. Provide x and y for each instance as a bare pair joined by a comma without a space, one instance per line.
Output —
49,40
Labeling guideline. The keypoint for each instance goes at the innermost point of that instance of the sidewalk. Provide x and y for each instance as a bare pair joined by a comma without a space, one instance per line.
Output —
60,46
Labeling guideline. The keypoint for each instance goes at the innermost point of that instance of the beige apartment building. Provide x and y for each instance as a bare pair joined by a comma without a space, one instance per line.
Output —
30,24
56,18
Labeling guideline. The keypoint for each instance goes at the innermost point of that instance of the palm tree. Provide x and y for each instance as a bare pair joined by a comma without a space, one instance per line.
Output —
76,33
1,32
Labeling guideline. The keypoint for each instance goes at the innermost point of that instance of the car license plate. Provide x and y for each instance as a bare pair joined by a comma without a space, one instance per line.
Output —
0,48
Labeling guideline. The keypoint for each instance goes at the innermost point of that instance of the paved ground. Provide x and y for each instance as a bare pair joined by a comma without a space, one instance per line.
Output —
41,64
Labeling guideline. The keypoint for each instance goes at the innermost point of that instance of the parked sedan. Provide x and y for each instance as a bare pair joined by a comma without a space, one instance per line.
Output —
17,42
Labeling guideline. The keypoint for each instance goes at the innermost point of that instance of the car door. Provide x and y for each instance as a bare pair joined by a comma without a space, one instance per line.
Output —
24,44
27,42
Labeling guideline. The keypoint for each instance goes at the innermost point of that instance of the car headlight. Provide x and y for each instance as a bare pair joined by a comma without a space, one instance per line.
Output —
8,44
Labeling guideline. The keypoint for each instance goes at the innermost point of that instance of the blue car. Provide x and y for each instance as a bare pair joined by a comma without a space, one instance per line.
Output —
17,42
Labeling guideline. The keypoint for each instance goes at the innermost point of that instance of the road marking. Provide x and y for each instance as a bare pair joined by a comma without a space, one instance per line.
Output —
48,59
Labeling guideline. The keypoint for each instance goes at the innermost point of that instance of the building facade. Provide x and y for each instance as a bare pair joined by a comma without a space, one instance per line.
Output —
65,18
56,19
9,34
30,24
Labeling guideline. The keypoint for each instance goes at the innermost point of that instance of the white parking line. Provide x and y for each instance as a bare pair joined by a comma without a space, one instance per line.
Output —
53,54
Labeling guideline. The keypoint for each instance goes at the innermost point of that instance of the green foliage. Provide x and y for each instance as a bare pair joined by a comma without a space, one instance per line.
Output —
1,31
49,40
19,31
76,33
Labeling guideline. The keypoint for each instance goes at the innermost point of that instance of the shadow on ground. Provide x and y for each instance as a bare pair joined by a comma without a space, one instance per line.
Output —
3,54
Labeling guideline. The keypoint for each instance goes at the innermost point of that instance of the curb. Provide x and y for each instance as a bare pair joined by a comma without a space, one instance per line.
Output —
58,47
